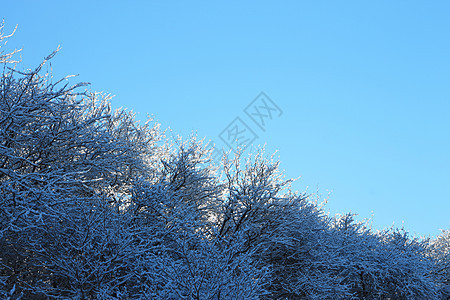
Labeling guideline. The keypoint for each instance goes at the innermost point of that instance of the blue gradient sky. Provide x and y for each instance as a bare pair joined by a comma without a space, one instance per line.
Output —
364,87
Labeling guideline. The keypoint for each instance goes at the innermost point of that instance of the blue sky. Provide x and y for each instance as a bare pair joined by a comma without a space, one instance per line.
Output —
364,87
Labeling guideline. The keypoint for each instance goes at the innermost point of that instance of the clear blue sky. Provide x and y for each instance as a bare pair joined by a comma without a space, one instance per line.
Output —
364,86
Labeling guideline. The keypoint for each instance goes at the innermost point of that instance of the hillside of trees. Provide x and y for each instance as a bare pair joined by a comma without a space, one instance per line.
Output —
95,205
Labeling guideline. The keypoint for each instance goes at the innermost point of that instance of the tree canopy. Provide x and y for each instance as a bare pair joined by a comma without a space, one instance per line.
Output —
95,205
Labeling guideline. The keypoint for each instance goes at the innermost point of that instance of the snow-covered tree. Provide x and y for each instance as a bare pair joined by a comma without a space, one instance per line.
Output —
174,222
94,205
440,251
384,265
66,161
284,231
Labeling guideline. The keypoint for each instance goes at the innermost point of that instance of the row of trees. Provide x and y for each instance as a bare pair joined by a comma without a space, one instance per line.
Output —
95,205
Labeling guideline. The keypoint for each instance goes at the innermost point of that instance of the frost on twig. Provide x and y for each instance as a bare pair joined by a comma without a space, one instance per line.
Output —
6,57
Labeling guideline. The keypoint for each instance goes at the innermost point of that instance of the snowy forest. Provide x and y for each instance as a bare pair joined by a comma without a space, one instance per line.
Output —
96,205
